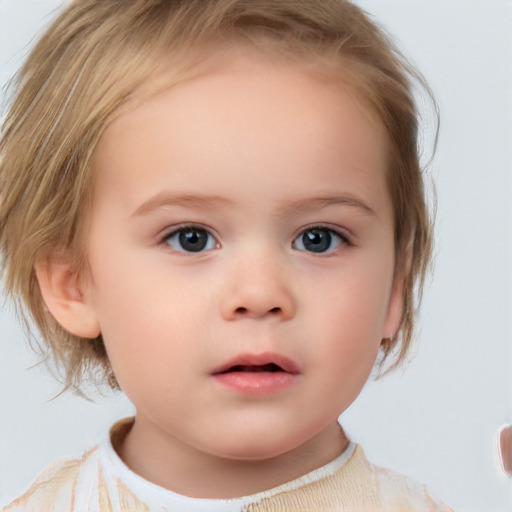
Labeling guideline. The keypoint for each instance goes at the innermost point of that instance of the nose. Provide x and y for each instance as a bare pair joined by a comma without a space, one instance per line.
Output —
258,288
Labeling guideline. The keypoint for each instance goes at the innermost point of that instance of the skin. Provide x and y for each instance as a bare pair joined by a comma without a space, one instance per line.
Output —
276,149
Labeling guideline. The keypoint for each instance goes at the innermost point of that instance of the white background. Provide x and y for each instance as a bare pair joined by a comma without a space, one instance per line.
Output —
438,422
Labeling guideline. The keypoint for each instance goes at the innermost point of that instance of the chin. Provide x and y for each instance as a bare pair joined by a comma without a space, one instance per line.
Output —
256,446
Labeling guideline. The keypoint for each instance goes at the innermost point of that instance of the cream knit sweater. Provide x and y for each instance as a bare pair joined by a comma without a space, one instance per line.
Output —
100,482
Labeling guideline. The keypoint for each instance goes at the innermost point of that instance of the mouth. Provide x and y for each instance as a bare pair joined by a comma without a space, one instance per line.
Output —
259,363
257,375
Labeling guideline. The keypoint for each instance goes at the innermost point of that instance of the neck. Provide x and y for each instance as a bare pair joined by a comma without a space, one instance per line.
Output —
165,461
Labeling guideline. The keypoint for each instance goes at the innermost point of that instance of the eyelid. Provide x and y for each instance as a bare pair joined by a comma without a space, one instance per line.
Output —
341,232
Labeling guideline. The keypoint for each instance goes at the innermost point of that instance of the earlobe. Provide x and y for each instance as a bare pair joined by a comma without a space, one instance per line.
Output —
395,310
64,299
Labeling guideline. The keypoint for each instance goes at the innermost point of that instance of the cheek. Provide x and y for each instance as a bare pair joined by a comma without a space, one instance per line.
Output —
350,312
148,325
354,302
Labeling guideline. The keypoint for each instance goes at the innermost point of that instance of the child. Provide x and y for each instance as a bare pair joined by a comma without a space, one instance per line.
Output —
222,211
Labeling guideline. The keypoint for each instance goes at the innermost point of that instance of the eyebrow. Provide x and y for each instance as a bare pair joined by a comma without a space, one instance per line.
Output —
317,203
208,202
163,199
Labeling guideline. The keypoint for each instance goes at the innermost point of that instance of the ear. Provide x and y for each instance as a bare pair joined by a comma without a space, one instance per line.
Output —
395,308
61,292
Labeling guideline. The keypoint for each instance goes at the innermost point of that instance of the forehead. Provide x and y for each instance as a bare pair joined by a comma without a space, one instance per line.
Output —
250,61
257,112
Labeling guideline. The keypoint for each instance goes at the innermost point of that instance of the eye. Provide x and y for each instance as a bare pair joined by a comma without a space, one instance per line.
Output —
318,240
191,239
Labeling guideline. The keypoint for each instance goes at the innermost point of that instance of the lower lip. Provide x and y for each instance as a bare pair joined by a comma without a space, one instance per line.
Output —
256,383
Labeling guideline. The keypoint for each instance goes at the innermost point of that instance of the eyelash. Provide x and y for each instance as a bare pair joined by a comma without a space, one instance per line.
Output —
210,242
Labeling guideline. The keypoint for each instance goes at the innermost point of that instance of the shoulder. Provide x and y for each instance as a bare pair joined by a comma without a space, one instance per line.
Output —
54,488
347,484
89,483
393,490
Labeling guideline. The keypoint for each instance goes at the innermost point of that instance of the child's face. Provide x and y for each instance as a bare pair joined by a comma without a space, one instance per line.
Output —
240,223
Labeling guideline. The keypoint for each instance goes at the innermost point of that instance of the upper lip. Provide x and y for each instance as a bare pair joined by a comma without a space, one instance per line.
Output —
258,360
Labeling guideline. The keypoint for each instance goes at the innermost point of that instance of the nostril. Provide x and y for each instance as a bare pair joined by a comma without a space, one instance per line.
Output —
244,311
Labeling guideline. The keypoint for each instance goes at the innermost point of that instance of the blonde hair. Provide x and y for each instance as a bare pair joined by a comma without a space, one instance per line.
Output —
94,61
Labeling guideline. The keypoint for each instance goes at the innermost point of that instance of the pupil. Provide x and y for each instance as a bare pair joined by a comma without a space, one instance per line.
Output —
316,240
193,240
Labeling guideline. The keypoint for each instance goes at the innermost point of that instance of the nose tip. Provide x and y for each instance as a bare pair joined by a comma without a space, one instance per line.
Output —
249,299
